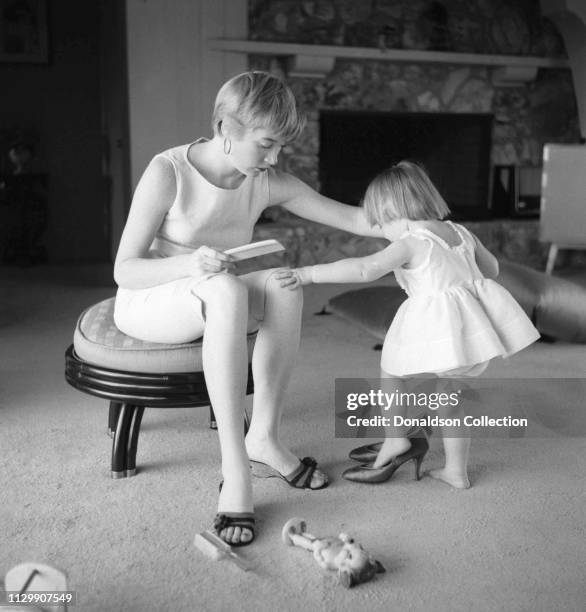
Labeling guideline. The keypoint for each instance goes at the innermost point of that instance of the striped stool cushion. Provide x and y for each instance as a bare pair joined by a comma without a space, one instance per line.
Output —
98,341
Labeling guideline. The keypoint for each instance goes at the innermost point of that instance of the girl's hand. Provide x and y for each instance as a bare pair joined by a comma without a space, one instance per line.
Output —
206,259
293,278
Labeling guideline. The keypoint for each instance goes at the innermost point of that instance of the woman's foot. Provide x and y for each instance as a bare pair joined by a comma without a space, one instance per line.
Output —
456,480
391,448
235,528
236,497
282,460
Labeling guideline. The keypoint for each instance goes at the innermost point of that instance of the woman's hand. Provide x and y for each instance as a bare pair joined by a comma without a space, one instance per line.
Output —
206,260
293,278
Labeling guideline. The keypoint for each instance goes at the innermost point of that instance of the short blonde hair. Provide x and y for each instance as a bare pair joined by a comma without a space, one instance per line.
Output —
258,100
403,191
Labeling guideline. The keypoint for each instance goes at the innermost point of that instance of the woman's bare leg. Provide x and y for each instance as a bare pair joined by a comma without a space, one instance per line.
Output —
274,355
225,365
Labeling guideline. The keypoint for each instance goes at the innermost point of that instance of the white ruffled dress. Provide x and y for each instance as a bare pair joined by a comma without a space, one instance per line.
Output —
453,317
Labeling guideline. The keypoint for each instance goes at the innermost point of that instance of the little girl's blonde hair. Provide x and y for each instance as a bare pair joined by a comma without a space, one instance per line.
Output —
258,99
403,191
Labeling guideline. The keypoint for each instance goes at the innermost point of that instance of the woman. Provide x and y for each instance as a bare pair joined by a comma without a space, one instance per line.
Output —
192,203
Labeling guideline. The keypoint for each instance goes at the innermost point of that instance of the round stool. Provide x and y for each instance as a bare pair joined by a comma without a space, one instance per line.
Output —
133,375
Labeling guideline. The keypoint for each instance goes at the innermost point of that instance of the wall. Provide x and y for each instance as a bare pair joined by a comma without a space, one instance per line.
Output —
173,77
569,17
59,101
526,116
114,98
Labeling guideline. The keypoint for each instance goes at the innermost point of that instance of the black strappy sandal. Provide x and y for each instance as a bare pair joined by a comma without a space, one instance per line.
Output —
244,520
300,478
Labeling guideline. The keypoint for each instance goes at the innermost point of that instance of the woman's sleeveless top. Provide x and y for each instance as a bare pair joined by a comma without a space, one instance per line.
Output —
205,214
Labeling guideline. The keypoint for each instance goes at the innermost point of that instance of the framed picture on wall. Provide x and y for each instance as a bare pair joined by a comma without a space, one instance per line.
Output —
23,31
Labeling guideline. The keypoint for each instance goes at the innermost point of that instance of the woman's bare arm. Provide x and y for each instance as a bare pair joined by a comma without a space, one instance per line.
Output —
135,267
297,197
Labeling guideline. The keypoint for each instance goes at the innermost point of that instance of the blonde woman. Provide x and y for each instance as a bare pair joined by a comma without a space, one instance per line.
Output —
192,203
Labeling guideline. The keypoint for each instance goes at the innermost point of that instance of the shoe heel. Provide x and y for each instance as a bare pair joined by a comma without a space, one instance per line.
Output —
418,461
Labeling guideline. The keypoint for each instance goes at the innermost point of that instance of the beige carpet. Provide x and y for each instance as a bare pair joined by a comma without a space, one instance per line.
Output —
515,541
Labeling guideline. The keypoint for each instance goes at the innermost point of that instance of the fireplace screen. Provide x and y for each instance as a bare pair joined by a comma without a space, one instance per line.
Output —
453,148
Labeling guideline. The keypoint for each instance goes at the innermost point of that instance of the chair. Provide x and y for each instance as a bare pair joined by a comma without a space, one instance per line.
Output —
133,375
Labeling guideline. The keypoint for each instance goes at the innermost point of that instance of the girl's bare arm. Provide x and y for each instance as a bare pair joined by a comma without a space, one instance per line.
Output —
352,270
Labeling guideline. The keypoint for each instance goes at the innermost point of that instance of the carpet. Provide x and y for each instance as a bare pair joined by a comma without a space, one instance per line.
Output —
515,541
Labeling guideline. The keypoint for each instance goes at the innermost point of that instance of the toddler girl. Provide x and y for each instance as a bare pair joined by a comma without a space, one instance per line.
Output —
454,321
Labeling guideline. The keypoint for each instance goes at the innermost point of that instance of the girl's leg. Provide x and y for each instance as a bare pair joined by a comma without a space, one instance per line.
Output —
273,359
396,442
456,441
455,471
225,362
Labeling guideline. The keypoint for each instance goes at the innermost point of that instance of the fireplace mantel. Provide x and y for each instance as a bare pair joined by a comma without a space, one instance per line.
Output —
318,60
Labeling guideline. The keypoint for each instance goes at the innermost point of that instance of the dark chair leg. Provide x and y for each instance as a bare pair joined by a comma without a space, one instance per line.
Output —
133,440
113,417
120,441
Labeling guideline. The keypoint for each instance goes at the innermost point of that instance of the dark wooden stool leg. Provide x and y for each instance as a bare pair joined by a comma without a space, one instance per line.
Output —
120,441
113,417
133,440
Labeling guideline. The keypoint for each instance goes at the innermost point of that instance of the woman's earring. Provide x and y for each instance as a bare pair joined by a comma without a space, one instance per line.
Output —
227,145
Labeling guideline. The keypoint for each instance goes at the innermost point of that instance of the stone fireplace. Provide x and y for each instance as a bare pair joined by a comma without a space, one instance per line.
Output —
525,115
454,148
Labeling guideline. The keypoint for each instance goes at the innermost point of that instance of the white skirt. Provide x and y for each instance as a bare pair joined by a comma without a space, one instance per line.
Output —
462,326
173,313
